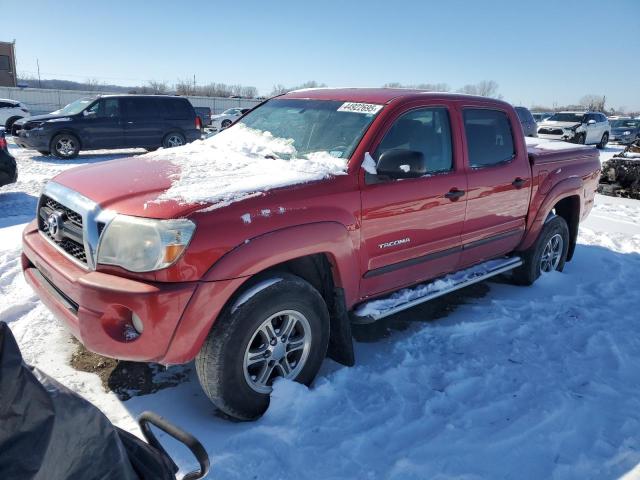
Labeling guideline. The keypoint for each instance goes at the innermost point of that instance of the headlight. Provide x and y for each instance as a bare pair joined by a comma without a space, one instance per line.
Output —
34,126
627,132
143,245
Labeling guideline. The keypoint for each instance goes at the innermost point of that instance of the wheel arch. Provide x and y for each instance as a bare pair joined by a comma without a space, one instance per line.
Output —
69,131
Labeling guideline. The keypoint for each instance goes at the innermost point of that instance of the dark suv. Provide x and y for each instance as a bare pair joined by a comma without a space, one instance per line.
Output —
111,121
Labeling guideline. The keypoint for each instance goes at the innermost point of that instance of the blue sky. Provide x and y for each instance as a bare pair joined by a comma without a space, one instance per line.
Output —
538,52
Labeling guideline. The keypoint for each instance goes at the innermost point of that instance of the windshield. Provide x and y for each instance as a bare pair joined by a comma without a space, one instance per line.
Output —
566,117
315,125
625,123
75,107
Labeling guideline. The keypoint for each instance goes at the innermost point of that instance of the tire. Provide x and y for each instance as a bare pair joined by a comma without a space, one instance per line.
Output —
225,124
46,153
222,365
65,146
603,141
581,138
534,261
9,123
173,139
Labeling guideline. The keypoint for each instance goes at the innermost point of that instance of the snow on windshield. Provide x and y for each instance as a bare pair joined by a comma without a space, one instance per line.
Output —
239,163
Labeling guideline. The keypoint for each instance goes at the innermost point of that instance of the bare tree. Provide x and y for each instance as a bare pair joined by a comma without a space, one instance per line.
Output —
485,88
279,89
594,102
430,87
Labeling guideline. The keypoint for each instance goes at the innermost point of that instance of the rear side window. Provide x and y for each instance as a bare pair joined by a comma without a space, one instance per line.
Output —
141,107
489,137
426,130
524,115
177,108
6,105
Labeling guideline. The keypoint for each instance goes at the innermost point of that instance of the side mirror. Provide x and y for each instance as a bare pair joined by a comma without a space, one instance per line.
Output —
591,122
400,163
88,113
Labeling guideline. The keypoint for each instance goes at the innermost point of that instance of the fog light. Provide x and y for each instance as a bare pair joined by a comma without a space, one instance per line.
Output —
137,323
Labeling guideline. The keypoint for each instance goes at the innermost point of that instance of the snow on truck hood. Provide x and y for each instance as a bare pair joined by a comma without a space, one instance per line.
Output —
236,164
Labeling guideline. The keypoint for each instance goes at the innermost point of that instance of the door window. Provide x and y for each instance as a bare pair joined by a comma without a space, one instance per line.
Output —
426,130
106,108
489,137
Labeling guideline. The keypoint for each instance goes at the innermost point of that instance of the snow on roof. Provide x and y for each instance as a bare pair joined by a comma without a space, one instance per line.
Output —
239,163
546,144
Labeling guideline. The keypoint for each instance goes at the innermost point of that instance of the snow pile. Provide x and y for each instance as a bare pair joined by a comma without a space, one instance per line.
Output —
547,144
241,162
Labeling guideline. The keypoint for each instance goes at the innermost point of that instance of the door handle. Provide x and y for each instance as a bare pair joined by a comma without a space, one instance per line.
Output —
130,123
454,194
519,182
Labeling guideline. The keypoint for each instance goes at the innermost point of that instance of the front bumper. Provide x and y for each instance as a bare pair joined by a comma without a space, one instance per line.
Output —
622,139
31,139
97,307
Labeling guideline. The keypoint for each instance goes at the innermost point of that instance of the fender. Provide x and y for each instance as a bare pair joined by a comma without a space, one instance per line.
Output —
568,187
269,249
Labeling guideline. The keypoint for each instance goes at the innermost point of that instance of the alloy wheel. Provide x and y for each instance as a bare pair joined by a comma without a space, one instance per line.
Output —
65,146
278,348
552,253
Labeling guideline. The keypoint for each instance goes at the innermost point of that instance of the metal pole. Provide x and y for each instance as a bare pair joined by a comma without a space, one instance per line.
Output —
39,80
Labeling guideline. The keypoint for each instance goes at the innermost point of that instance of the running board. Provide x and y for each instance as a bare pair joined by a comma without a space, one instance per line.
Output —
375,310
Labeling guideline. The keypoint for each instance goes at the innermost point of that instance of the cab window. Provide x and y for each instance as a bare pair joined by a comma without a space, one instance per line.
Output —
425,130
489,137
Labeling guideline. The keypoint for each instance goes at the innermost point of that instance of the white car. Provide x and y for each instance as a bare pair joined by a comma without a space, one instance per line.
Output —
587,128
226,118
10,111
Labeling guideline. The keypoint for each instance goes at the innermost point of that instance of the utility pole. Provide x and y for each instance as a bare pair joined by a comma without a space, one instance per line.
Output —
194,83
39,81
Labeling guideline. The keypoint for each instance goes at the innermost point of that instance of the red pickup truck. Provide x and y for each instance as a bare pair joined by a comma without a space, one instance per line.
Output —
435,191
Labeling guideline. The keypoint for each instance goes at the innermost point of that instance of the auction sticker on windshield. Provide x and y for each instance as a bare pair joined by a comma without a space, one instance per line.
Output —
368,108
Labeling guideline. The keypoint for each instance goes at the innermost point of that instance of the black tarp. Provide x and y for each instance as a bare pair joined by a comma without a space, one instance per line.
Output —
49,432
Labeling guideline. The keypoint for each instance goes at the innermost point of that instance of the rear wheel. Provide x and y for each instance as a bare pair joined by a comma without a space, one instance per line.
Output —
65,145
282,330
9,123
173,139
547,254
226,123
603,141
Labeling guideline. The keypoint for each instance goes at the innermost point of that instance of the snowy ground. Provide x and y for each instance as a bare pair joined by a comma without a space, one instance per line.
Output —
508,382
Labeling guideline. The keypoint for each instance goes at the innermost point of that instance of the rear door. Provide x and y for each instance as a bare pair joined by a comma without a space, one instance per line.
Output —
144,121
102,125
499,183
411,227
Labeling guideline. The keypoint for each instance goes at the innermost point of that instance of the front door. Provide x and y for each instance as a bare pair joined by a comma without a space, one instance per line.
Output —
103,124
499,184
411,227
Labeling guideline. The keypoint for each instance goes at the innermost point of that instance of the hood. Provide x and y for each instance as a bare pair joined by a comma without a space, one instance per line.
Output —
130,186
619,130
554,124
237,164
48,116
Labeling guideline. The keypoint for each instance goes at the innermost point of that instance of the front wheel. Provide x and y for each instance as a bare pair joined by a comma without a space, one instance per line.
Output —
547,254
65,146
280,331
603,141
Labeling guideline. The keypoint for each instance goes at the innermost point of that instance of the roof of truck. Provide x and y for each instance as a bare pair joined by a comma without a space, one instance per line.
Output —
375,95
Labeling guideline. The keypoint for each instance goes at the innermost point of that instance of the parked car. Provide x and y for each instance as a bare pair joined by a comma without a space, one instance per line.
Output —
8,167
10,111
529,125
587,128
110,121
266,283
624,130
541,116
226,118
204,113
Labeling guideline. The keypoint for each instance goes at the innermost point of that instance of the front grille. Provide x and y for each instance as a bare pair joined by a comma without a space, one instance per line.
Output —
550,131
70,238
